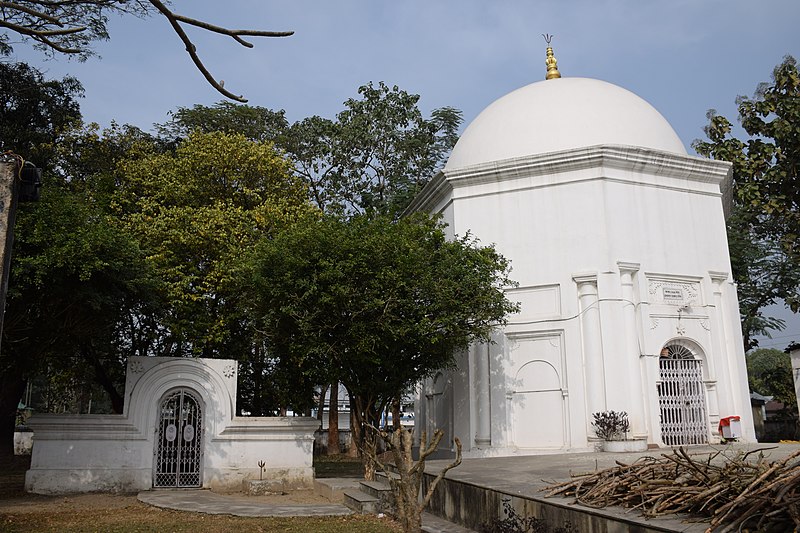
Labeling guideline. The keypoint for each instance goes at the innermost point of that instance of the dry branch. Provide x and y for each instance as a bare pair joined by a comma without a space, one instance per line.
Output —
69,26
176,20
733,492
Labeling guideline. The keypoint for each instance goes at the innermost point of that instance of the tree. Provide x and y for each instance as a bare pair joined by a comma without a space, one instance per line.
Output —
254,122
35,113
379,152
70,26
765,230
372,158
195,212
375,303
769,373
408,482
765,274
75,279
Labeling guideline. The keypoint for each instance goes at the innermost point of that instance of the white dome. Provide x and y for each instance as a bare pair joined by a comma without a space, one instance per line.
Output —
562,114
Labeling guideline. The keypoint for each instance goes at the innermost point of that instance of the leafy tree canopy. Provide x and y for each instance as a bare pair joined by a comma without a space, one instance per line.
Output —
35,113
765,274
254,122
386,151
769,373
373,158
78,283
374,303
765,230
195,212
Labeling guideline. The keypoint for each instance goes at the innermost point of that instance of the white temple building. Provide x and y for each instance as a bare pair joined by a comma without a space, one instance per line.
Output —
617,239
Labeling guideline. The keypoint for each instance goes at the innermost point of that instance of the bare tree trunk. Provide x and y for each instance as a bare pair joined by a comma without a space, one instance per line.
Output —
396,414
10,167
406,486
333,420
365,416
369,452
323,391
355,430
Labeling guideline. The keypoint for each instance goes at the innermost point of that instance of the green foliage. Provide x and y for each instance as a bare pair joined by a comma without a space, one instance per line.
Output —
765,230
195,212
255,123
138,244
765,274
375,304
386,151
35,113
769,373
77,278
373,158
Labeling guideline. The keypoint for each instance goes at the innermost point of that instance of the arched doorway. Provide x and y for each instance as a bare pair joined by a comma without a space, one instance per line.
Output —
537,403
681,395
179,442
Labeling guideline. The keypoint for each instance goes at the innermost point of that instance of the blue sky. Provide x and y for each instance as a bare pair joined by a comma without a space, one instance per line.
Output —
682,56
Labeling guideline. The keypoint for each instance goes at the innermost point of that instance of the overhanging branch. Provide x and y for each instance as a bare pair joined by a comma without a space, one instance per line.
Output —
69,26
176,20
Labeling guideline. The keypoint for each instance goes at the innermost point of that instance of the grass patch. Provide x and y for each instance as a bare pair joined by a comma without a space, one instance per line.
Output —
140,518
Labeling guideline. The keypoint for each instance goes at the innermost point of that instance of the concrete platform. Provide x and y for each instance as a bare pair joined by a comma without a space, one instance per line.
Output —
205,501
333,488
473,493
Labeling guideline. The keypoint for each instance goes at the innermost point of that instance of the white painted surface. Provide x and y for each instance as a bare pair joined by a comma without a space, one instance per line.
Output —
795,358
23,442
82,453
618,243
562,114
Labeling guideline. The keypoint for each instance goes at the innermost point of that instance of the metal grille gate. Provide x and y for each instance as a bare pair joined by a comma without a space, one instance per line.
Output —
682,399
179,441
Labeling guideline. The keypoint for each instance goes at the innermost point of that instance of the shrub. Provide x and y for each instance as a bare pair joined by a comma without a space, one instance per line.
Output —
611,425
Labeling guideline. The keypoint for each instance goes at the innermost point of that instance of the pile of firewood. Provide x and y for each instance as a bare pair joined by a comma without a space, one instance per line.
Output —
738,493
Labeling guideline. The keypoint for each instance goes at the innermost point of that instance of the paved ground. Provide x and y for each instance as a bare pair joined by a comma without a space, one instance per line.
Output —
529,473
205,501
523,476
526,476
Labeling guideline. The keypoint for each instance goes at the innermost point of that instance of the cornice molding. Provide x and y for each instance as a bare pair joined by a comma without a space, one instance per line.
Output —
643,161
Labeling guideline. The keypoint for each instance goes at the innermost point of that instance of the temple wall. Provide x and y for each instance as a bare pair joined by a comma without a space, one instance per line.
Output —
117,453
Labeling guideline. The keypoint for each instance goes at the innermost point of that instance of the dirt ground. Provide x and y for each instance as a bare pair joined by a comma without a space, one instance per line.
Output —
13,498
21,512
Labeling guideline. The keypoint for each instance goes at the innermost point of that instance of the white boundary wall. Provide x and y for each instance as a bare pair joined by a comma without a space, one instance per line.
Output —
84,453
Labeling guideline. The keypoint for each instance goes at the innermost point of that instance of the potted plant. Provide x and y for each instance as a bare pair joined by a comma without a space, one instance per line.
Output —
613,427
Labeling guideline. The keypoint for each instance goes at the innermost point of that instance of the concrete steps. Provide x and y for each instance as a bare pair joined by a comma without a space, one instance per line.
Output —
333,488
361,502
381,491
369,497
375,497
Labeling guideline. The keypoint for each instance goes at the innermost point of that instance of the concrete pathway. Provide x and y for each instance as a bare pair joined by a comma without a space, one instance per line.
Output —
527,476
523,476
205,501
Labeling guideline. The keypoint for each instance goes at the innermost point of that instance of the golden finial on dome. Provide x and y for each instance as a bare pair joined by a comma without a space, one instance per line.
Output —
552,64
